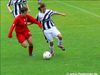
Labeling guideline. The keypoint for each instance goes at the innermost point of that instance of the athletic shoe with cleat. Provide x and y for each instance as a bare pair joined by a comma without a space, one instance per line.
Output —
62,47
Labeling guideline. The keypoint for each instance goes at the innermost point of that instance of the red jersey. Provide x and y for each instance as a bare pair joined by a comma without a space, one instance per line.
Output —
20,24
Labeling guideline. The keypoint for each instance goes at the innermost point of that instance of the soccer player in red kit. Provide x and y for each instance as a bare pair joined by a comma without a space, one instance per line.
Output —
23,34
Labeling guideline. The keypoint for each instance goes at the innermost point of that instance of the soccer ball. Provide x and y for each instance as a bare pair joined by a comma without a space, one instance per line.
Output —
47,55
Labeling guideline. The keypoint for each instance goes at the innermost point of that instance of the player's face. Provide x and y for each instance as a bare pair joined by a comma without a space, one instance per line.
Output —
43,9
24,14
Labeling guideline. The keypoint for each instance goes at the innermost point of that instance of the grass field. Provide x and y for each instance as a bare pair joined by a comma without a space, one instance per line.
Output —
81,32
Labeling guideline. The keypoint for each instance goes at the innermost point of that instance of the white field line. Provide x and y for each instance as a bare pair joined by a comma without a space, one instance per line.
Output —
81,9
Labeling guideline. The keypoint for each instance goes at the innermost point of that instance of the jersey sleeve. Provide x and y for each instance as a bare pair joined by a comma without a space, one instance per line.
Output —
53,12
15,21
13,26
33,20
10,3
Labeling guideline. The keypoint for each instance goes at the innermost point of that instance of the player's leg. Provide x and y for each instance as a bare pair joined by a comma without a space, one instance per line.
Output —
22,40
45,38
50,40
25,44
30,45
58,35
51,45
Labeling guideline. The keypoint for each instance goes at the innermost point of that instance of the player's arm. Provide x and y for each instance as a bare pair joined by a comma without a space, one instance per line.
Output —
9,6
12,28
62,14
33,20
58,13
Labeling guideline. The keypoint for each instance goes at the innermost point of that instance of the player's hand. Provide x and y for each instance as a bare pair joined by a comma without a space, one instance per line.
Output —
11,11
29,11
9,35
63,14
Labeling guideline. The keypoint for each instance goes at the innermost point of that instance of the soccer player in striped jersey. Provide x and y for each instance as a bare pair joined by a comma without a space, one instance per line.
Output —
50,31
17,5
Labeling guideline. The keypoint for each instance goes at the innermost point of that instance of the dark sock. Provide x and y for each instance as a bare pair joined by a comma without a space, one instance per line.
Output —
30,50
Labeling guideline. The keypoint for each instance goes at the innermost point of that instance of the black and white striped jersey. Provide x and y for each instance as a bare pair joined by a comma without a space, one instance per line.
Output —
17,5
45,19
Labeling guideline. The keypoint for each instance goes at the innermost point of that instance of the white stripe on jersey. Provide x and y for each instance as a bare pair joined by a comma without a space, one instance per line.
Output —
45,18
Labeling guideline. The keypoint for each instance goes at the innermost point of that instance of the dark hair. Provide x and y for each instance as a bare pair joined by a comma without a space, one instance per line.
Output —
23,9
42,5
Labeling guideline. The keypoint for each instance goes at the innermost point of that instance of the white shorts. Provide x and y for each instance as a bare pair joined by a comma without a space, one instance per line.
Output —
51,33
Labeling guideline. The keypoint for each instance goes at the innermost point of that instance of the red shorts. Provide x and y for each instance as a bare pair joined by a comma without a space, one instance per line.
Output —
23,36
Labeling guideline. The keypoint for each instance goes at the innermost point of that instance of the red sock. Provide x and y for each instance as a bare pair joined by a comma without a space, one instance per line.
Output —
30,50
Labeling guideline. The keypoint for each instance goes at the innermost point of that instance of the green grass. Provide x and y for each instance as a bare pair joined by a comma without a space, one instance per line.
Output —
81,33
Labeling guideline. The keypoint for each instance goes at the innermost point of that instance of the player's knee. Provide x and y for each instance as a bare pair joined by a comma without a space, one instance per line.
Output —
60,37
25,46
30,41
